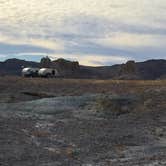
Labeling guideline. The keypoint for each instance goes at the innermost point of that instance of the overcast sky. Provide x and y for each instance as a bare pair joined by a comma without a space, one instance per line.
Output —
94,32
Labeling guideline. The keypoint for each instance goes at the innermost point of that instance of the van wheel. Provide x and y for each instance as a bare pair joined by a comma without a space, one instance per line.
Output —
48,75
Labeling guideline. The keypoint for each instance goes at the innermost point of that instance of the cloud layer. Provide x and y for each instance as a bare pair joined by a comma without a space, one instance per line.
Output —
94,32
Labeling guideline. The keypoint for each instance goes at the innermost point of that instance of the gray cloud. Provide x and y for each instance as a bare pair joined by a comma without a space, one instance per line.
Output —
14,49
85,47
79,30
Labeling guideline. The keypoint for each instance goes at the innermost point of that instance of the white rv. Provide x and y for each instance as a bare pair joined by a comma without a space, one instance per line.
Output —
30,72
47,72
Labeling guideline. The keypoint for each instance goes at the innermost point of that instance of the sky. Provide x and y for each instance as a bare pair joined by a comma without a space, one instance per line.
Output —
93,32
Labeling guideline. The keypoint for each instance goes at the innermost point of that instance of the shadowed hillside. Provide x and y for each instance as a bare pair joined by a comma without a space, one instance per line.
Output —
151,69
14,66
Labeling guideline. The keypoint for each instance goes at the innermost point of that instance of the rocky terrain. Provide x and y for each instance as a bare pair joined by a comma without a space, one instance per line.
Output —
68,122
148,70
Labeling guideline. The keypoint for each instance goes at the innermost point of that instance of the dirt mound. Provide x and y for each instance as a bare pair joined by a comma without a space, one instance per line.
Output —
68,131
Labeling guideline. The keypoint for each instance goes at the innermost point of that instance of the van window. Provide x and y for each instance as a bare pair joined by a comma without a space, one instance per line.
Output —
53,72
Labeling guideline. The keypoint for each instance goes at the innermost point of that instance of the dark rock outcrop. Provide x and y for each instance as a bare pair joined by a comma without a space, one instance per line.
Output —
128,71
45,62
66,68
128,68
151,69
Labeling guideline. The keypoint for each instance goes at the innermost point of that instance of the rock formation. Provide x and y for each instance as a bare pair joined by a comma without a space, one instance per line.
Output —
45,62
65,67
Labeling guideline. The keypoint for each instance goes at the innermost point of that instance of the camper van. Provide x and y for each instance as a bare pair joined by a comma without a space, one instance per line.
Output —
30,72
48,72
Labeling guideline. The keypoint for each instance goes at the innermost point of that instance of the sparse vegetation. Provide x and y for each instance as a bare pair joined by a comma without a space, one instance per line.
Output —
114,106
36,88
87,122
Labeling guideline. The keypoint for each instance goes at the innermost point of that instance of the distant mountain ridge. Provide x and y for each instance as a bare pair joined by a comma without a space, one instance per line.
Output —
14,66
150,69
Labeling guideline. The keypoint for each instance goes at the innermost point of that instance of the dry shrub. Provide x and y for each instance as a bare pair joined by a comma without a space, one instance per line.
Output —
38,133
115,105
71,152
40,87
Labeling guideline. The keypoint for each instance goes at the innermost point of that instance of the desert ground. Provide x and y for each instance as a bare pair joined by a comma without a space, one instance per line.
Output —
79,122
